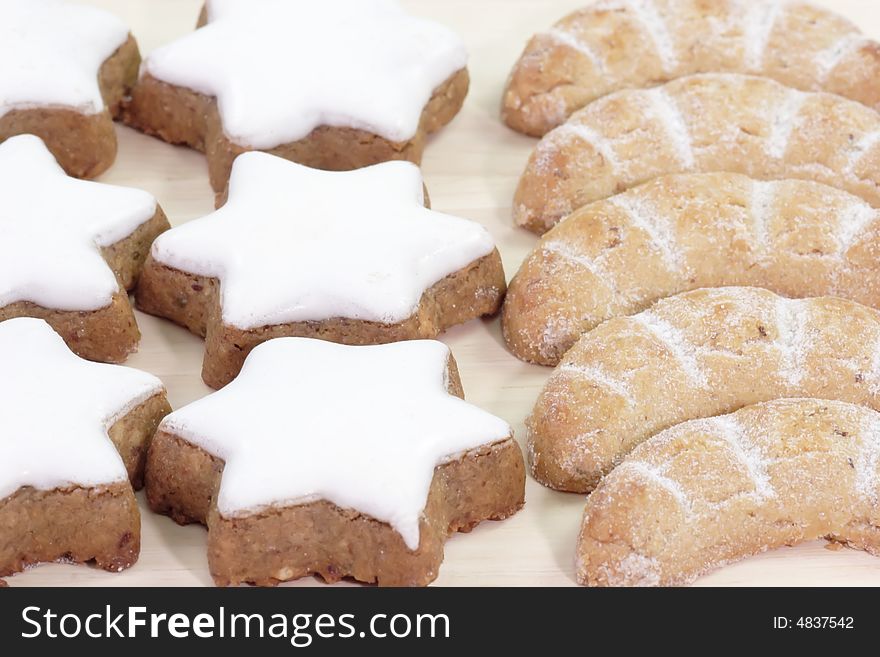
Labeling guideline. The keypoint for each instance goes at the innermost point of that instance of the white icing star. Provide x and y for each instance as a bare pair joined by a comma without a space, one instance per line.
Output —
57,409
279,69
51,54
361,427
298,244
52,228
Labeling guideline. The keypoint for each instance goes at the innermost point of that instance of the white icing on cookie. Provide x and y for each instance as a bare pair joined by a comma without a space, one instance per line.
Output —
52,52
280,69
52,228
298,244
361,427
57,409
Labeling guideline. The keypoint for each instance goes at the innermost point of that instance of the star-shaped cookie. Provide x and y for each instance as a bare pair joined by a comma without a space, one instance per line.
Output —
70,249
66,69
75,434
336,84
352,257
337,460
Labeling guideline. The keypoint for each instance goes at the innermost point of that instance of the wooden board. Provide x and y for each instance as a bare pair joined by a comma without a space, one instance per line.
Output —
471,169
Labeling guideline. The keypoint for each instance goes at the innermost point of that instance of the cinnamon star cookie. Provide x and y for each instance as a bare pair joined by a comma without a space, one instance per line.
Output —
70,249
335,460
352,257
336,84
66,69
74,443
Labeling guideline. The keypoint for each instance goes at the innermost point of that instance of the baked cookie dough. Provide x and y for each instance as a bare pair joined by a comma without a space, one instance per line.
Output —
698,354
619,44
702,123
709,492
336,84
74,444
335,460
66,69
70,250
351,257
618,256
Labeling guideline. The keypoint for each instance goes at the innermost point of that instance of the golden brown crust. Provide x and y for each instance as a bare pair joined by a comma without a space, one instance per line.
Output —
180,479
193,302
714,122
181,116
679,233
100,524
487,483
606,47
321,538
132,434
72,524
83,144
118,76
695,355
109,334
709,492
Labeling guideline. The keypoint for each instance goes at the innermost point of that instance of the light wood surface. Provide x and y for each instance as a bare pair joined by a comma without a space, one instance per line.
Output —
471,169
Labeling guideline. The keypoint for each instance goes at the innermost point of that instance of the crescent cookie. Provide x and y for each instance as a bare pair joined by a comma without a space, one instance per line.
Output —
335,460
66,69
336,84
71,249
698,354
617,256
701,123
352,257
620,44
708,492
74,444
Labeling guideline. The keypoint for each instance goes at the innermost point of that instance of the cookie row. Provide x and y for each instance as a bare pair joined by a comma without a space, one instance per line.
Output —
613,45
711,179
354,257
252,77
633,415
286,483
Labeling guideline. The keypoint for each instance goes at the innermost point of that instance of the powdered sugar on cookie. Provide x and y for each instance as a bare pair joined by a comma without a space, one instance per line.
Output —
696,355
771,474
280,69
761,232
361,427
297,244
57,410
54,228
52,52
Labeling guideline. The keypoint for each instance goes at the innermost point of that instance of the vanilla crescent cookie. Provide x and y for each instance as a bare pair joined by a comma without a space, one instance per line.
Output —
66,69
352,257
709,492
698,354
618,44
336,84
713,122
70,249
677,233
74,443
343,461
